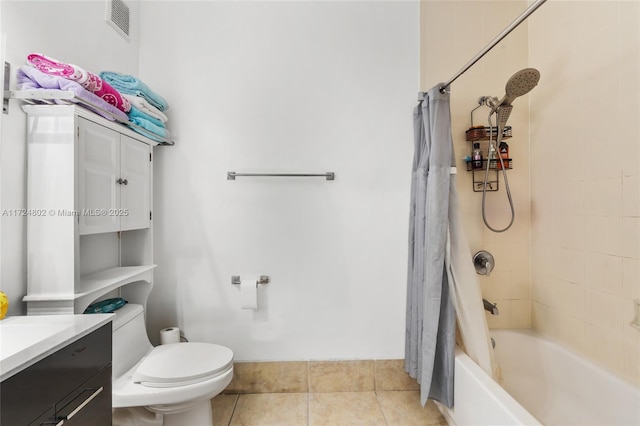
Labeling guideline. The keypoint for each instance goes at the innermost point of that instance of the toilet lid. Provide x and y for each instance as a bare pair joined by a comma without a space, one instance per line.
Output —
179,364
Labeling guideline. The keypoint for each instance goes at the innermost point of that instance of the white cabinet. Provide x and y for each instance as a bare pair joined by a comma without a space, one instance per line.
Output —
89,210
114,181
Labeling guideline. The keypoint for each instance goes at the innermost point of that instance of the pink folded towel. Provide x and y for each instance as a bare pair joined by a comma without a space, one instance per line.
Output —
86,79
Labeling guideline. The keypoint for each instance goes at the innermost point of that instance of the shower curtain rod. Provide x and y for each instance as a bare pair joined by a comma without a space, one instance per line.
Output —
524,15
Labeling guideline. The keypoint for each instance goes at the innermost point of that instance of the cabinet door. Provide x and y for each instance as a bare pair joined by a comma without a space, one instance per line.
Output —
98,171
135,191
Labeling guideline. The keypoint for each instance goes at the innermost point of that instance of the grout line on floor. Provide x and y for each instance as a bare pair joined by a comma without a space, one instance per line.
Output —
386,422
233,411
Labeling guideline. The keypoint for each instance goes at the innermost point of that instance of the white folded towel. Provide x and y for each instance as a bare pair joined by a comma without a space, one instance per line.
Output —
146,107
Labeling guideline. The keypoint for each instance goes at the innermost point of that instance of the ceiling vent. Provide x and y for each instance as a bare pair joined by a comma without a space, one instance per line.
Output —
117,15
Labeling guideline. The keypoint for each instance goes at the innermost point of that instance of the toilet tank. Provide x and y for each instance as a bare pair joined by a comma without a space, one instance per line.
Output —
130,340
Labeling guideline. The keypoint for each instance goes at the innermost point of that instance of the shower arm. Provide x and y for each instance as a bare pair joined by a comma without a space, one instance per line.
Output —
512,26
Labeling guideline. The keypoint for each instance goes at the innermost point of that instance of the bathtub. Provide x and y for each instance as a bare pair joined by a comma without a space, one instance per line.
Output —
543,384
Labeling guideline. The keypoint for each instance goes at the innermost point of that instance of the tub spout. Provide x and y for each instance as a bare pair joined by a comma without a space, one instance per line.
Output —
491,307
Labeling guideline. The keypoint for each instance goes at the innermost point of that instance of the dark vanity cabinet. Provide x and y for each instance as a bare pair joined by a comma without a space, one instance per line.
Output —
72,386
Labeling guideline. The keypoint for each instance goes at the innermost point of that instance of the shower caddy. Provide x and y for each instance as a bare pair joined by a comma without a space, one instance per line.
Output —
477,134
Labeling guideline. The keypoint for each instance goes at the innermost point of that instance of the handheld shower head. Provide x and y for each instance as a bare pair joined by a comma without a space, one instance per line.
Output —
519,84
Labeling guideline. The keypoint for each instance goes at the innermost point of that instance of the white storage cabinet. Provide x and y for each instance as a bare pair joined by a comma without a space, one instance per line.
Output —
89,210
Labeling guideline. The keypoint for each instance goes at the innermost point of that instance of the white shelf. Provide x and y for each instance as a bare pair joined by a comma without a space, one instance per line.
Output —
92,286
110,279
55,97
46,297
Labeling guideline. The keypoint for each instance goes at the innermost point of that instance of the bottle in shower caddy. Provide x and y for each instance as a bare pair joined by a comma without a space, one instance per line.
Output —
504,153
476,156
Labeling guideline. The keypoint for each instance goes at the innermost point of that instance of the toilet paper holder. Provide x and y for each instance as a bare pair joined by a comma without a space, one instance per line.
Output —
264,279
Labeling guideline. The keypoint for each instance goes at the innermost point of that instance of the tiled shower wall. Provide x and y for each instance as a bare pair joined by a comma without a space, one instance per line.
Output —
582,190
452,32
585,164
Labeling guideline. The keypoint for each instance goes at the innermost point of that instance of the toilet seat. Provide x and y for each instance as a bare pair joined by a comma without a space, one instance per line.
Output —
181,364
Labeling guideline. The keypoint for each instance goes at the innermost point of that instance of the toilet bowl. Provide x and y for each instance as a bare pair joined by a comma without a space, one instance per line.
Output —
175,381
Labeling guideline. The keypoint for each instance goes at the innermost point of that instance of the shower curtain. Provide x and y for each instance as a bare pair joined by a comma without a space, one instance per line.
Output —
441,282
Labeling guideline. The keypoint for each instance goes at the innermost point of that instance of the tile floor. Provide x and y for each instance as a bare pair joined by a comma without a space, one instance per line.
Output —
399,408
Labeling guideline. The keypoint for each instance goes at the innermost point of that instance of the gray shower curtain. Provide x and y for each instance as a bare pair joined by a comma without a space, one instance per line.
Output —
430,324
442,284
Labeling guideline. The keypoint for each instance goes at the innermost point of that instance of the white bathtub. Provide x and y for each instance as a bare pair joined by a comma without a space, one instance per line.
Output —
546,384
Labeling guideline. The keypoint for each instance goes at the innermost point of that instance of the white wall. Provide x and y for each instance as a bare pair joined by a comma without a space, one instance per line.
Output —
71,31
284,87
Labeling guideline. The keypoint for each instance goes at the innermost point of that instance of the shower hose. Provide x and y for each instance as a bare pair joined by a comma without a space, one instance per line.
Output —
486,178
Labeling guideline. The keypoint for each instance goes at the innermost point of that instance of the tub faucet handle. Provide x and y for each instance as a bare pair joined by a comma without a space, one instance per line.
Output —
483,262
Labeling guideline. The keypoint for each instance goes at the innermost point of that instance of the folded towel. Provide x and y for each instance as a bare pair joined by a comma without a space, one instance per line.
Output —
136,113
54,67
151,129
146,107
29,78
86,79
106,306
133,86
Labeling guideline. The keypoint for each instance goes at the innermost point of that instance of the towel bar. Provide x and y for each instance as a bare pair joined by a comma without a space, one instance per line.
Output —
328,175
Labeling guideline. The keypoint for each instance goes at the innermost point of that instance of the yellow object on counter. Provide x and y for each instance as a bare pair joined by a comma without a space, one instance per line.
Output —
4,304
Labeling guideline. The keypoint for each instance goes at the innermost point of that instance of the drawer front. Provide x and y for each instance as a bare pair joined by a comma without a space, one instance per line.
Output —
90,404
34,390
77,362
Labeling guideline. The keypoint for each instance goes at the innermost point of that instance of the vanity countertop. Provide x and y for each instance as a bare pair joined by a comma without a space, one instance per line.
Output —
25,340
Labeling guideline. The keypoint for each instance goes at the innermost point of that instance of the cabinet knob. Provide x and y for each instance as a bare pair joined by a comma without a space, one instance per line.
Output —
122,181
119,181
126,182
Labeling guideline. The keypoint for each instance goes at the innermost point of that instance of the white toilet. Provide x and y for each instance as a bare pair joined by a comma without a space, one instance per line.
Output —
176,380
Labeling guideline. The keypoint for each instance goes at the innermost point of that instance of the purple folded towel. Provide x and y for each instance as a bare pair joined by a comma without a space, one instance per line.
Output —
29,78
